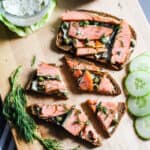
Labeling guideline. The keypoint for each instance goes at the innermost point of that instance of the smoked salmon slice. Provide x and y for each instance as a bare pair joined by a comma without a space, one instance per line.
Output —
88,43
45,111
89,78
86,82
47,70
72,119
89,51
47,81
121,47
85,15
79,64
108,114
89,32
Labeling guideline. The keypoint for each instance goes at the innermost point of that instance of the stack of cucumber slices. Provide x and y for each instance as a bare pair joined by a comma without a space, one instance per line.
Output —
137,84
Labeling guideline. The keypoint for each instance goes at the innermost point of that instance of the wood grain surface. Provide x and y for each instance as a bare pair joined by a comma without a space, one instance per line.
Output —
16,51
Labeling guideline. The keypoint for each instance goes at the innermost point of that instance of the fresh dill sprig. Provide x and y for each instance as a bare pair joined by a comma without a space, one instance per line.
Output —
49,144
33,61
14,110
76,148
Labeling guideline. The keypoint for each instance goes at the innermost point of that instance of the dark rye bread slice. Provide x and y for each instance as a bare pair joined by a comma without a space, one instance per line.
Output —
47,80
102,107
80,67
71,49
72,119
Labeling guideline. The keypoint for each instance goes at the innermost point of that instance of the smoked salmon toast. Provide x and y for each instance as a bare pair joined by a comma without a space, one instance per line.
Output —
108,114
90,78
96,36
72,119
47,81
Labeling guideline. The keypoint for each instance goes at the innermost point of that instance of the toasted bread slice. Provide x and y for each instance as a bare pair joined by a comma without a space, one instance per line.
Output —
97,36
89,78
108,114
72,119
47,81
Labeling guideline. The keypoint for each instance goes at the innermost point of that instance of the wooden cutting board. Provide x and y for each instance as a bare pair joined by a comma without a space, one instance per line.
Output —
15,51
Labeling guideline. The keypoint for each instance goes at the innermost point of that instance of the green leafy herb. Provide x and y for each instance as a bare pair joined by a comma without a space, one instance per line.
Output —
68,41
49,144
33,61
41,78
104,39
87,40
101,108
114,122
78,32
87,122
57,77
84,23
14,110
76,148
96,79
77,122
65,25
65,94
59,118
96,23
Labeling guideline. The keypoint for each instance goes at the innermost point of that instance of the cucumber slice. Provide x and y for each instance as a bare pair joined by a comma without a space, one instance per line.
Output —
146,53
138,83
142,127
140,63
139,106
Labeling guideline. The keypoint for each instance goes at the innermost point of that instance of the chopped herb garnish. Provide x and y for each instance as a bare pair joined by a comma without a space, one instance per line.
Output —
96,23
116,28
114,122
87,122
41,78
65,94
96,79
104,39
101,108
57,77
77,122
87,40
84,23
78,111
104,110
65,25
78,32
33,61
68,41
76,148
59,118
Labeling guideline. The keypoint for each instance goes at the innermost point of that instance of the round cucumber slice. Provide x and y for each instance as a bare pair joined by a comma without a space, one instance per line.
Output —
140,63
142,127
139,106
146,53
138,83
